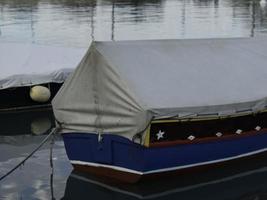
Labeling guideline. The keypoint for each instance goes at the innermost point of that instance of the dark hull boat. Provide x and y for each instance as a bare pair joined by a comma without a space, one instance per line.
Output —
16,99
166,110
120,158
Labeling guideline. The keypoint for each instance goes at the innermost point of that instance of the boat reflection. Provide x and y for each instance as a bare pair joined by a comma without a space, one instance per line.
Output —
243,181
35,122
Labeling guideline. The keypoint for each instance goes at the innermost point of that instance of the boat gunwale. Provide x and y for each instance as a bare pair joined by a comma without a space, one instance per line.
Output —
207,139
205,117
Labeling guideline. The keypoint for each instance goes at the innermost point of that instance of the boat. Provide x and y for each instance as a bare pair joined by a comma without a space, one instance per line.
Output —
140,110
31,74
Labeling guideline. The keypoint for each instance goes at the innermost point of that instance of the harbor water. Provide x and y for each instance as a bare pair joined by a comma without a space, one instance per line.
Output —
75,23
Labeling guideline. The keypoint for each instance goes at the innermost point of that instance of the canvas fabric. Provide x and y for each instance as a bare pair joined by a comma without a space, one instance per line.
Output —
32,64
118,87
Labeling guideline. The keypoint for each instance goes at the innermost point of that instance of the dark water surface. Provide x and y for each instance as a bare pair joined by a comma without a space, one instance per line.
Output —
76,23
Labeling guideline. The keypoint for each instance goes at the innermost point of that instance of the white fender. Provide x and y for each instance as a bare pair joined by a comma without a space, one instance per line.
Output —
40,94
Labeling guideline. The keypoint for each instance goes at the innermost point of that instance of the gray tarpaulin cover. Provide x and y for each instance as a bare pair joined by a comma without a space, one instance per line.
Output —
119,86
31,64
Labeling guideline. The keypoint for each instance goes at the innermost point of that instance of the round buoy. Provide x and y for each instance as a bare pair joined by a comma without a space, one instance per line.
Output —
40,94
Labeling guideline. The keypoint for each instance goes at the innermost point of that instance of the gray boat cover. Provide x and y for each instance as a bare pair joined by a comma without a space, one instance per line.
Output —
118,87
31,64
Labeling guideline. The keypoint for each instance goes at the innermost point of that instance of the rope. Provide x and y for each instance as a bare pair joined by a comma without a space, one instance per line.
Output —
54,130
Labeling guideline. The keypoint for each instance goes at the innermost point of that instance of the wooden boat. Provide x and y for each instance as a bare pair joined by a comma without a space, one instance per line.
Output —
32,74
137,110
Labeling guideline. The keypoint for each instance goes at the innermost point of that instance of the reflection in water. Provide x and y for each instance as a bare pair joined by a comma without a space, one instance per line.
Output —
46,171
242,180
40,126
113,20
52,167
77,22
253,18
35,122
248,185
35,179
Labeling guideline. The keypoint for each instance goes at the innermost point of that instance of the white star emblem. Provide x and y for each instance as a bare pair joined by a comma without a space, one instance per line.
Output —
160,134
258,128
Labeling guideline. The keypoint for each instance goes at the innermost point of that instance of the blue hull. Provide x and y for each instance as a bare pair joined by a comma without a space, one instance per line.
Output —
121,155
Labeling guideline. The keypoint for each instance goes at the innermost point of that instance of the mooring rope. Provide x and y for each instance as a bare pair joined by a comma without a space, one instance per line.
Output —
54,130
